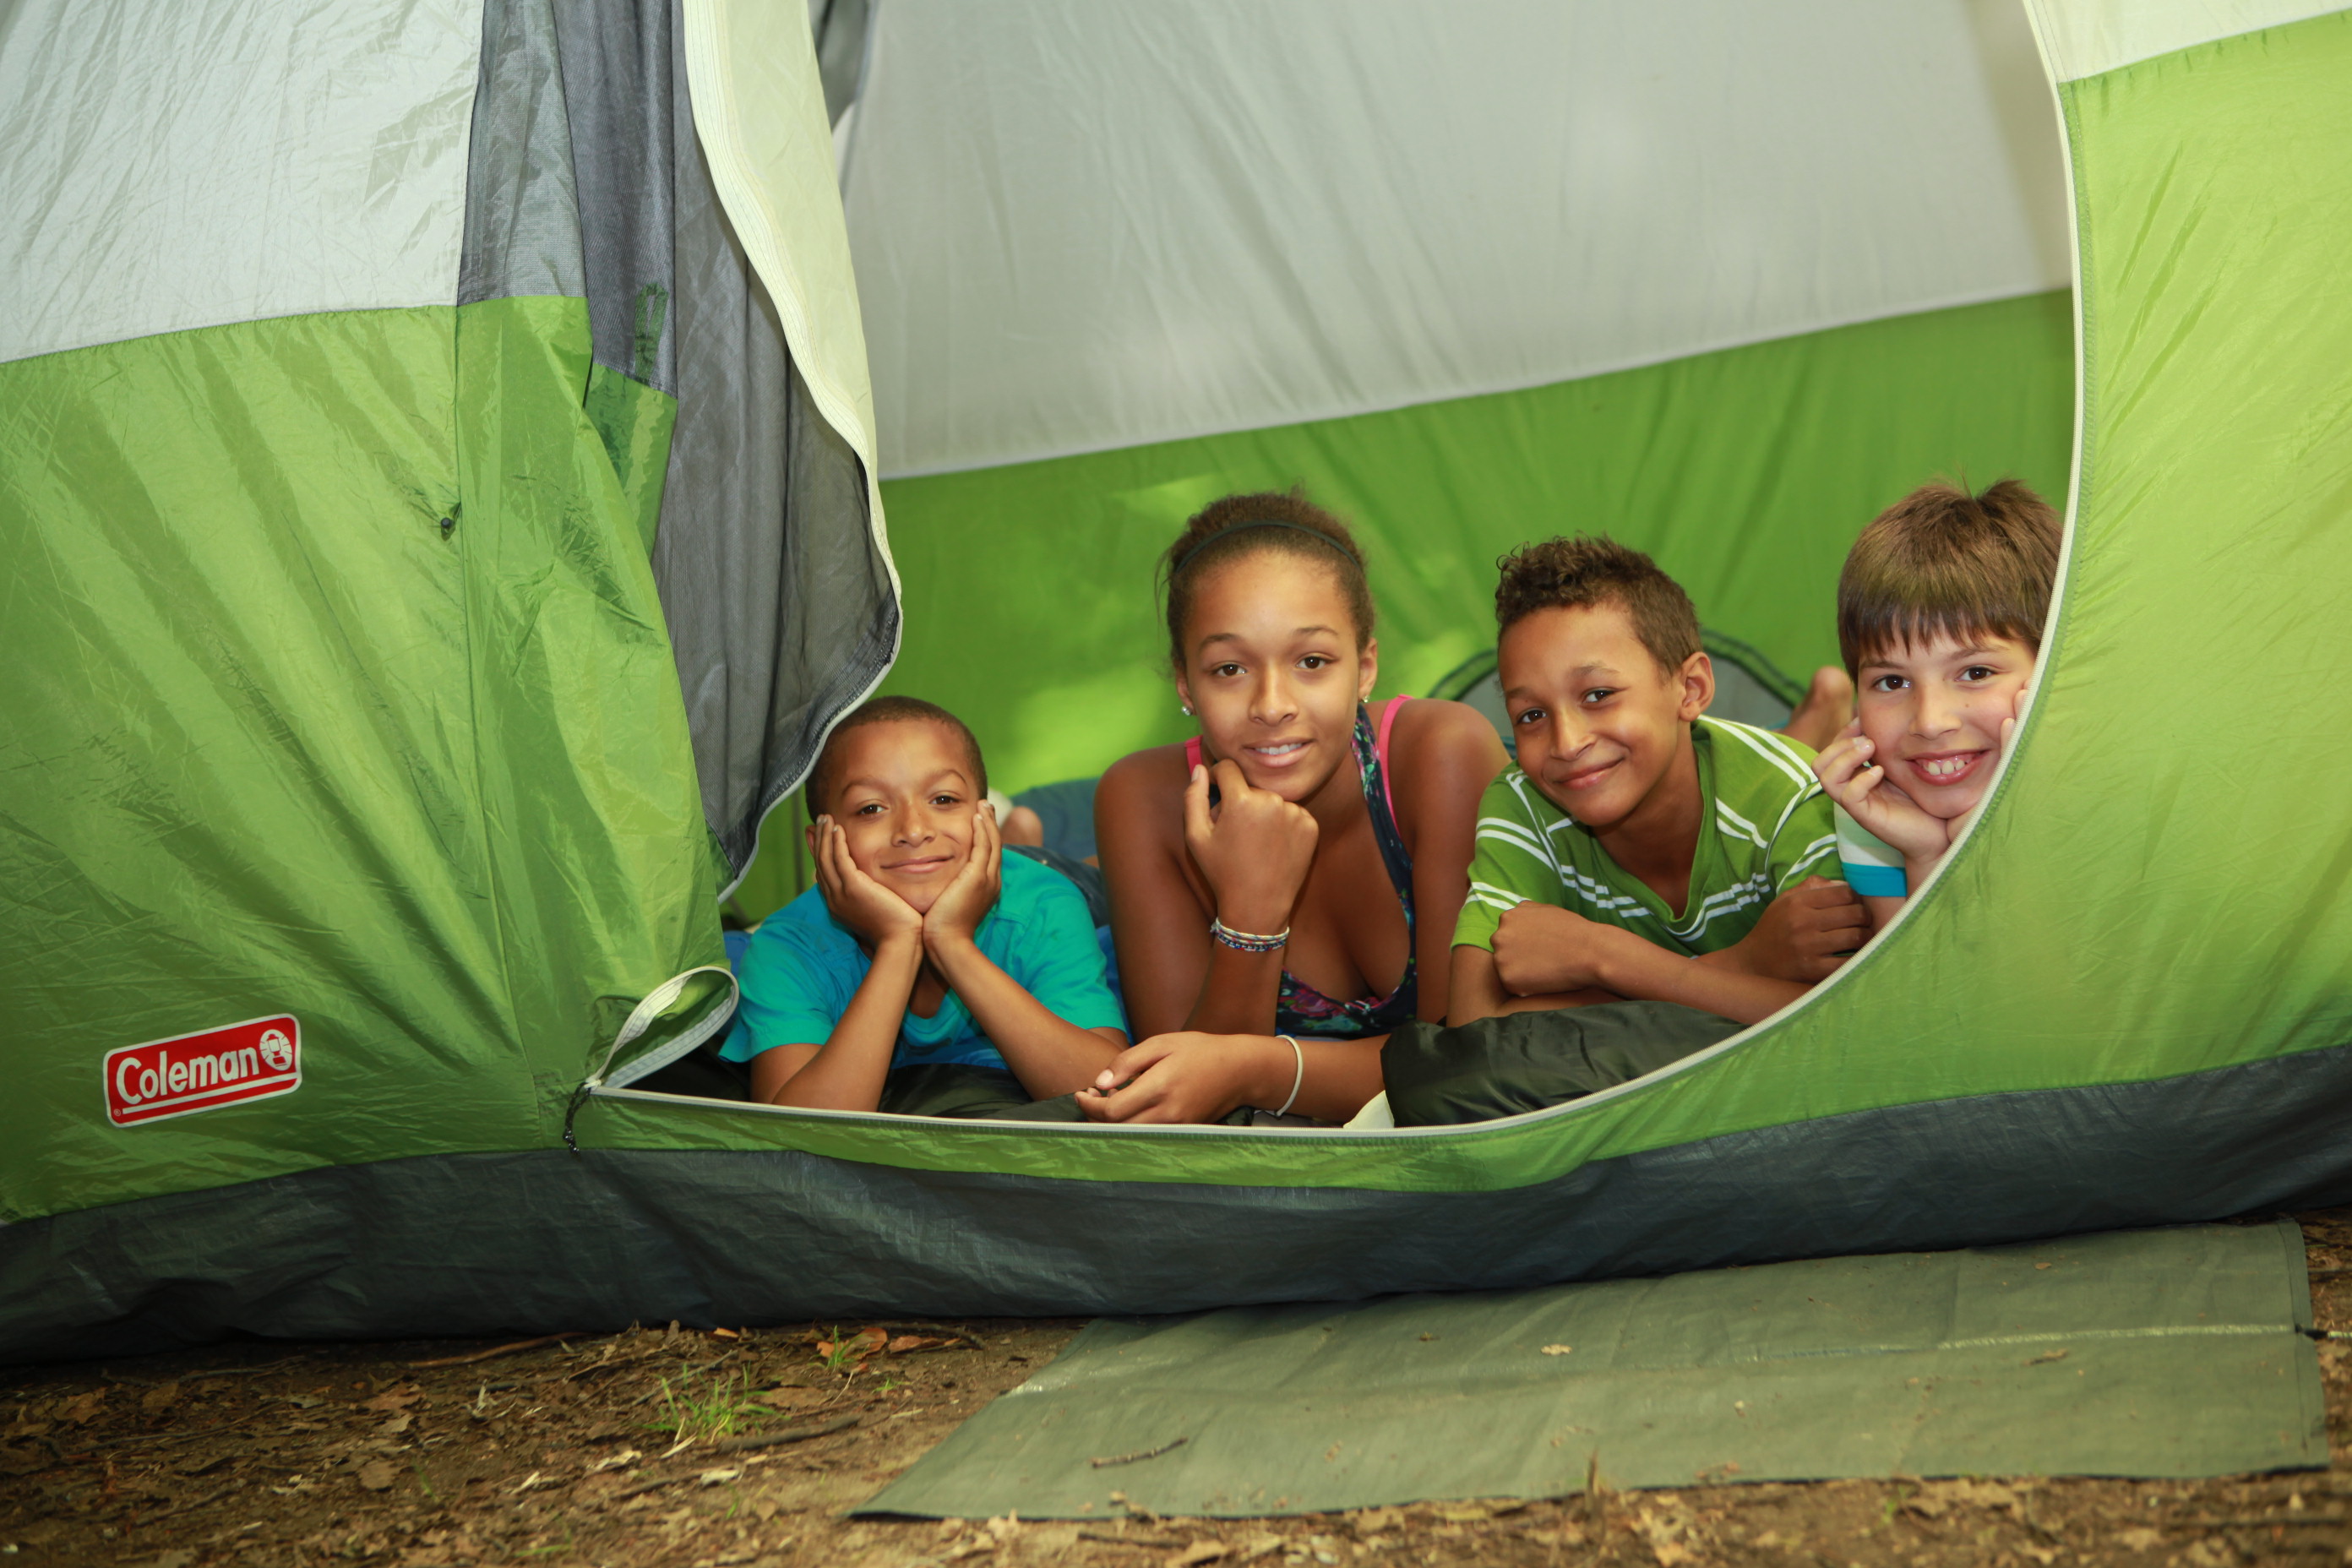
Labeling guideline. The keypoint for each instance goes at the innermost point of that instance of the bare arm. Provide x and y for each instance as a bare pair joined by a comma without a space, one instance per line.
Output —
1252,852
1539,948
846,1072
1196,1076
1478,992
1048,1054
1158,921
1444,754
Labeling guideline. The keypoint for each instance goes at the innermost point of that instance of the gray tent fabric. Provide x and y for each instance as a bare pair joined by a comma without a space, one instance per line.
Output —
588,180
598,1240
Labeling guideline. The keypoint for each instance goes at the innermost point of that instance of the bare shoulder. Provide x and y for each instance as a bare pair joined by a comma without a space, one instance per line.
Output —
1444,743
1435,723
1444,754
1141,788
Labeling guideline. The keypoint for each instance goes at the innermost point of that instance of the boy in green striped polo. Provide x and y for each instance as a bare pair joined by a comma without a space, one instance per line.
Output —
1638,850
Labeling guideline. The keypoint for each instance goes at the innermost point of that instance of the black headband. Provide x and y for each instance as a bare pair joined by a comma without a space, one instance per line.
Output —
1313,533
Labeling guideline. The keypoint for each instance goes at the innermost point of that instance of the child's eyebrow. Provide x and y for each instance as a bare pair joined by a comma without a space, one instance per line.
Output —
1301,631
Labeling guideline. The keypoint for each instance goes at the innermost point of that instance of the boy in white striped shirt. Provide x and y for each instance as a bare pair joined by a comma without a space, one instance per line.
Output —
1638,850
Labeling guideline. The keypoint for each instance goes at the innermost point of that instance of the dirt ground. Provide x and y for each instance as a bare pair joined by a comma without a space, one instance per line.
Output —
568,1452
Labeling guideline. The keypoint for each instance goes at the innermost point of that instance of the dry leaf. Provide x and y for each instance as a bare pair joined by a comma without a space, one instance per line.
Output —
397,1399
625,1457
2042,1266
376,1475
719,1477
2047,1356
395,1426
83,1408
163,1396
1560,1350
1665,1543
2139,1539
906,1342
1201,1552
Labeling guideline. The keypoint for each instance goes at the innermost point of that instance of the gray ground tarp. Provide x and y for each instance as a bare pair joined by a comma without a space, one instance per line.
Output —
2171,1353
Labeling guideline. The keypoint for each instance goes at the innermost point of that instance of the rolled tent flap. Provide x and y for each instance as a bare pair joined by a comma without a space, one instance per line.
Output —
396,426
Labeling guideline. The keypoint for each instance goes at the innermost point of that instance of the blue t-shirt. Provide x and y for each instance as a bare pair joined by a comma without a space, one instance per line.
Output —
801,969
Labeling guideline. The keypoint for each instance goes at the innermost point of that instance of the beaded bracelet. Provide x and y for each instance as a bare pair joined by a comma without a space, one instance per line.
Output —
1245,940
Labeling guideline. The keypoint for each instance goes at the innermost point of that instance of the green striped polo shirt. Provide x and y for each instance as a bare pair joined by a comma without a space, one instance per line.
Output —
1770,828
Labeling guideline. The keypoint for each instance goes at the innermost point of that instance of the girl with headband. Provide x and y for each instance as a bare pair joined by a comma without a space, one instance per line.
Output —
1284,887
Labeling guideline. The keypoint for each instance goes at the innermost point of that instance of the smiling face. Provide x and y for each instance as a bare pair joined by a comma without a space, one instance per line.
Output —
905,801
1933,713
1601,726
1272,668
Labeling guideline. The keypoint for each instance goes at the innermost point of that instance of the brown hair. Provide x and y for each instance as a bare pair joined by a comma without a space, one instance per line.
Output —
1237,526
888,710
1591,570
1943,562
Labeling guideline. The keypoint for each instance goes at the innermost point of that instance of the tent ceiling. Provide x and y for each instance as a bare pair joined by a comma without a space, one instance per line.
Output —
1089,224
204,165
2085,38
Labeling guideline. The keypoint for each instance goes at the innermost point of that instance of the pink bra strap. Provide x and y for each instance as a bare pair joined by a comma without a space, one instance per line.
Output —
1380,750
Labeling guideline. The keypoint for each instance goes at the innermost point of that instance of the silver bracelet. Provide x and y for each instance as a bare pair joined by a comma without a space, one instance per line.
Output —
1297,1078
1246,941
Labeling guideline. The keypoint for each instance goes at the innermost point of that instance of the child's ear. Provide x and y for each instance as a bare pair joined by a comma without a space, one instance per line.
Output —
1698,677
1369,670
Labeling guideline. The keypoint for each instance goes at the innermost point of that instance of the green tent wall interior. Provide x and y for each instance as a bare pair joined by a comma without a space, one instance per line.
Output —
2122,1001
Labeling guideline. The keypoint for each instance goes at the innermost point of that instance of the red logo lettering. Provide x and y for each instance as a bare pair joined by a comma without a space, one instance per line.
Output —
203,1071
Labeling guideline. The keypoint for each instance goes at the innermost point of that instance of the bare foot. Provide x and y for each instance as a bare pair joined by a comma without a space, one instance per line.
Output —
1025,827
1827,708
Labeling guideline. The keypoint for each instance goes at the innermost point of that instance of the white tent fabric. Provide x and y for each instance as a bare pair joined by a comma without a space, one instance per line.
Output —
1091,223
273,158
2084,37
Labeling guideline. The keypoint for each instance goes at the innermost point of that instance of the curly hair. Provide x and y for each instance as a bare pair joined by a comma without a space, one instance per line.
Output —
1590,570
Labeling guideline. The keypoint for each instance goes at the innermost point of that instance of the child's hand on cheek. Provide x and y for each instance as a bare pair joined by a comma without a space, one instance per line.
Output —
966,900
2008,738
1851,776
869,909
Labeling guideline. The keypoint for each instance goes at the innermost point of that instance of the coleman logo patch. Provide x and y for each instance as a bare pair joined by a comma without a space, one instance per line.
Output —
252,1061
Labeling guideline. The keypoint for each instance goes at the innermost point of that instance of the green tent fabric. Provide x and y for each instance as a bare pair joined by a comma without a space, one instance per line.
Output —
257,778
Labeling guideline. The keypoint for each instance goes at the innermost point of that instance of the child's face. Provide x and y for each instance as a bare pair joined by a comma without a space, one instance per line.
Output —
1933,713
905,801
1272,670
1598,723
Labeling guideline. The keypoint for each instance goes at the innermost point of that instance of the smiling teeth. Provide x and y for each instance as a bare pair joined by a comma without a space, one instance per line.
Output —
1948,768
1283,750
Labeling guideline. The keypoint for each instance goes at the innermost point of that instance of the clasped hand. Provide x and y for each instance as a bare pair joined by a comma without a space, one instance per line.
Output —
1540,948
1253,847
876,914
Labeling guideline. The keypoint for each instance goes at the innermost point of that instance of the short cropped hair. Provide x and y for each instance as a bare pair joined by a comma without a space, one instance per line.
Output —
1591,570
822,781
1943,562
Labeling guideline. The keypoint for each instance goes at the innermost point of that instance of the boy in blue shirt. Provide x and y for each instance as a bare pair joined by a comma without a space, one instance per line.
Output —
927,973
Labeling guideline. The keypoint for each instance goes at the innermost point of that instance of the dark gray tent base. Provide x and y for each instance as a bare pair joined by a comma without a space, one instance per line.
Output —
547,1240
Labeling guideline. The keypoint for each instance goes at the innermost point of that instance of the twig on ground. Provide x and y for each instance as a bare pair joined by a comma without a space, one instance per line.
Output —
1141,1542
788,1435
495,1352
940,1330
1140,1453
2248,1520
